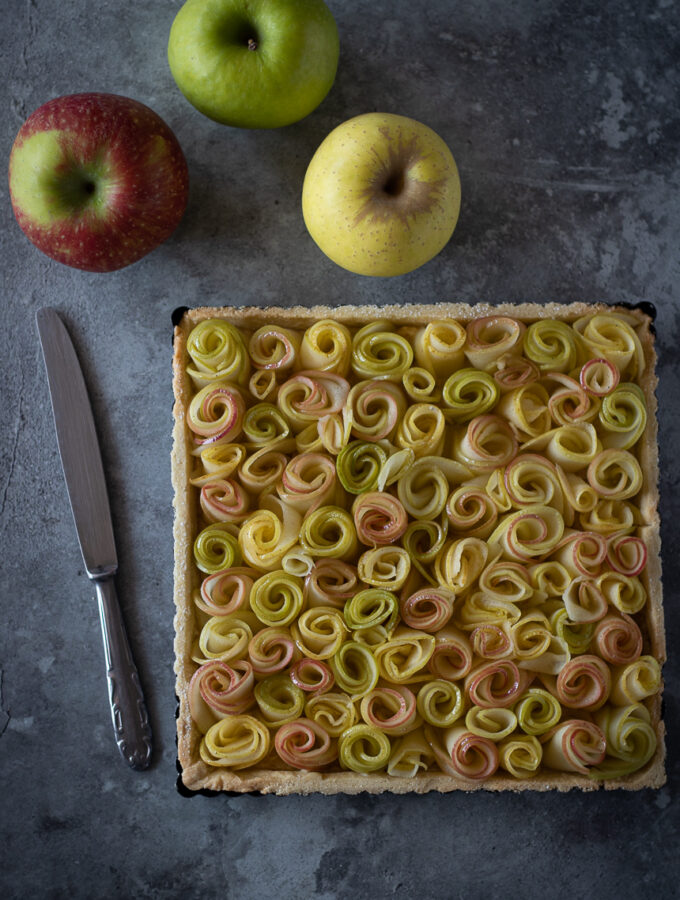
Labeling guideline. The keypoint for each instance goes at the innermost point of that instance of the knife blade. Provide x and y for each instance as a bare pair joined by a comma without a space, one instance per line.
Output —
86,484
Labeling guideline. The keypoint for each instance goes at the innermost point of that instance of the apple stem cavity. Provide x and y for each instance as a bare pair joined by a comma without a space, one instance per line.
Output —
394,185
73,191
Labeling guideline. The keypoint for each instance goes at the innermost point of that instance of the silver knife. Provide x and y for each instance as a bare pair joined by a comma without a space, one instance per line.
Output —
84,473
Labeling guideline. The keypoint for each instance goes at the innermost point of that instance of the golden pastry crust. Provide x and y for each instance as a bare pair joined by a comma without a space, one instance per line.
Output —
196,775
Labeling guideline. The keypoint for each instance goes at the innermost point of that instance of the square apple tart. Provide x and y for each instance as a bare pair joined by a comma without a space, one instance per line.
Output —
417,548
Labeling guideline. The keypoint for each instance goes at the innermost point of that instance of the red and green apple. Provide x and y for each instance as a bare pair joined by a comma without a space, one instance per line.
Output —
97,180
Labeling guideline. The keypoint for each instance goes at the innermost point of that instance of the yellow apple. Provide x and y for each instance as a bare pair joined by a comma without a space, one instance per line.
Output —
381,195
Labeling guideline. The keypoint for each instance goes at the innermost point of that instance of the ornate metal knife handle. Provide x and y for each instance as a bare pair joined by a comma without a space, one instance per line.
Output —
128,709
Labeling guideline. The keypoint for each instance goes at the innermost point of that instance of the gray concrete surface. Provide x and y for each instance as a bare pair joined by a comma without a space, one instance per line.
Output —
563,117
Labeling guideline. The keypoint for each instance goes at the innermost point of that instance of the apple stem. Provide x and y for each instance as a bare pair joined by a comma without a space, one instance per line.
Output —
252,44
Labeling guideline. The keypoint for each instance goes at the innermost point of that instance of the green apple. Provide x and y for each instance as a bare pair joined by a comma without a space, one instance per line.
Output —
254,63
381,195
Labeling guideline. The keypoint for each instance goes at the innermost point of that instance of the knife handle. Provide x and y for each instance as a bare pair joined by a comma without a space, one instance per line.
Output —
128,709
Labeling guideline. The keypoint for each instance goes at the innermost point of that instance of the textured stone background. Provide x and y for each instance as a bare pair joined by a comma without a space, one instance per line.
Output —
563,117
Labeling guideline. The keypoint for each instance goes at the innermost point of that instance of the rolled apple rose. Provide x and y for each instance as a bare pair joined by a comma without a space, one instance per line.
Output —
304,744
